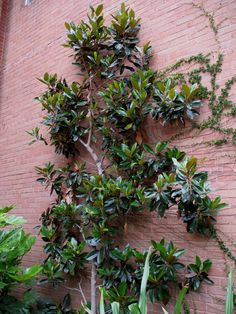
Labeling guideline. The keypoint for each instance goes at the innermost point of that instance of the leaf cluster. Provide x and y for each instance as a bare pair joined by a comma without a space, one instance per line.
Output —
15,243
123,273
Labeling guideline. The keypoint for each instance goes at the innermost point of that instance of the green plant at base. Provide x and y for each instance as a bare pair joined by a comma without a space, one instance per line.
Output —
11,305
141,306
134,308
14,245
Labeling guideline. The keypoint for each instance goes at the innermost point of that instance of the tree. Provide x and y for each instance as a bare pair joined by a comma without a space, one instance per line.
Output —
108,109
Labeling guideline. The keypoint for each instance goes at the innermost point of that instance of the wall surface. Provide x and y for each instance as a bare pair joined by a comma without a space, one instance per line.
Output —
33,45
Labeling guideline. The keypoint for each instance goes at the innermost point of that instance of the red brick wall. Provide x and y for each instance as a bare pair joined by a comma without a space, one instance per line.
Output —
3,25
35,35
3,11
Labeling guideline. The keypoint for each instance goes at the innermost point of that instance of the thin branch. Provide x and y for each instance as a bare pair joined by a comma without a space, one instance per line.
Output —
90,112
80,290
90,128
94,156
94,286
98,164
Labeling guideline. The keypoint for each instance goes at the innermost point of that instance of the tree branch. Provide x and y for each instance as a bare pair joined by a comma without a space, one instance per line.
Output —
94,156
98,164
90,128
90,112
80,290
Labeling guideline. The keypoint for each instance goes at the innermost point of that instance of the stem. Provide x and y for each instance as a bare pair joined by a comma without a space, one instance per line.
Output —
78,290
98,164
90,112
93,288
90,128
94,156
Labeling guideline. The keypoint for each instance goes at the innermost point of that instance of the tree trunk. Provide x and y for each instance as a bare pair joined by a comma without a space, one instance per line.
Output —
93,288
98,164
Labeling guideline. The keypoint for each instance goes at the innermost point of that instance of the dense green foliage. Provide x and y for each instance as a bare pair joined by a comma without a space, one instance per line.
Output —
110,107
134,308
140,307
14,244
45,306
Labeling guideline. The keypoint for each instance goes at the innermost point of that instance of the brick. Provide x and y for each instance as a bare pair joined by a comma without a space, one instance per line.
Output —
31,41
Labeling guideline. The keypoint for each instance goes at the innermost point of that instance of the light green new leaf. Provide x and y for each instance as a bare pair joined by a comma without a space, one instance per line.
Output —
134,309
230,295
143,296
101,305
6,220
180,300
115,308
27,274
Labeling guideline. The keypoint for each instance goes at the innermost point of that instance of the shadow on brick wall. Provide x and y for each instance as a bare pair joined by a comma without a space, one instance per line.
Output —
4,13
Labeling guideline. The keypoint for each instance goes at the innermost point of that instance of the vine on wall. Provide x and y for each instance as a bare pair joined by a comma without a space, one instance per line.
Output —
216,98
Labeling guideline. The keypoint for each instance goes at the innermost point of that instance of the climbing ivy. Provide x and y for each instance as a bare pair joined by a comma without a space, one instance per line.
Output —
217,99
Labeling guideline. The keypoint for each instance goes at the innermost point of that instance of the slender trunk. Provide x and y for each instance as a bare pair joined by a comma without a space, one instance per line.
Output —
98,164
94,156
93,288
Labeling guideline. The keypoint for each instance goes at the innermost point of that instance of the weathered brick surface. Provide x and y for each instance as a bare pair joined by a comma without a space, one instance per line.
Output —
33,45
3,15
